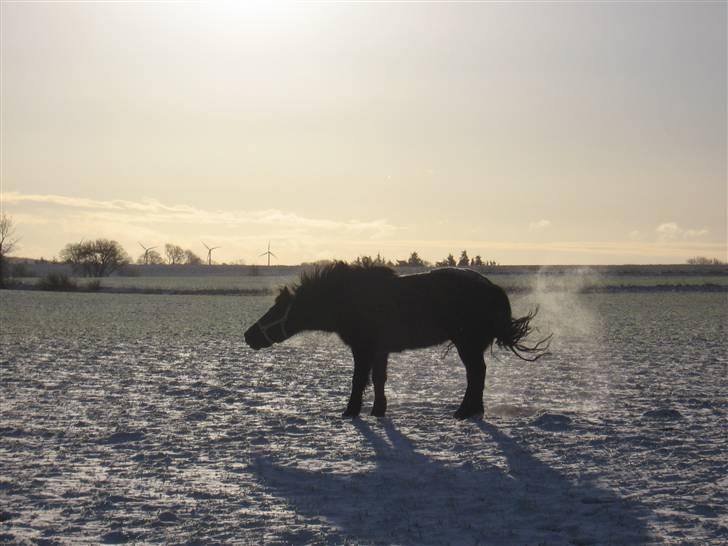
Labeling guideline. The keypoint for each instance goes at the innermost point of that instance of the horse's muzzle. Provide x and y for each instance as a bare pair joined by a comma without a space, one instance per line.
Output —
255,339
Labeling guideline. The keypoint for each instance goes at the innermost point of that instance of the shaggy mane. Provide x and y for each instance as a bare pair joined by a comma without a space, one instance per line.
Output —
337,272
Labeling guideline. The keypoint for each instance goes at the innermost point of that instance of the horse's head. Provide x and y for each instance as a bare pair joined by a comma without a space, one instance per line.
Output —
276,325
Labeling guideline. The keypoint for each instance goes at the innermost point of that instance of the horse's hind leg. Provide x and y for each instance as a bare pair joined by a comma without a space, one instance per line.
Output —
362,367
379,378
472,357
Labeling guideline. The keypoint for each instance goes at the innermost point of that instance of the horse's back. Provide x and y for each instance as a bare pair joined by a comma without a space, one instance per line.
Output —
452,281
459,296
460,275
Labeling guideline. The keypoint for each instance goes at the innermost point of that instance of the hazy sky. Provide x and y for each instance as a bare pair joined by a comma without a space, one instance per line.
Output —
525,132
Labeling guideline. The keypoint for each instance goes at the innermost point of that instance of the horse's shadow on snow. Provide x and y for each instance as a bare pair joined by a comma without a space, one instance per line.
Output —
410,498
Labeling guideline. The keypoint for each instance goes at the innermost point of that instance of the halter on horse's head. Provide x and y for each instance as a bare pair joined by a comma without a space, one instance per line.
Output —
272,327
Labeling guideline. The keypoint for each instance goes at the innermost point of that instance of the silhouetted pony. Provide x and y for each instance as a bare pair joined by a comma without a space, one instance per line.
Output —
376,312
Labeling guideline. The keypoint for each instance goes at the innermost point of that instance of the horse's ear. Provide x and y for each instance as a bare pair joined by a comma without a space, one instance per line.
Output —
285,291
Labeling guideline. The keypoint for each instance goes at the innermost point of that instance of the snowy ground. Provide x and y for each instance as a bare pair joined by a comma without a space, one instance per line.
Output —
145,419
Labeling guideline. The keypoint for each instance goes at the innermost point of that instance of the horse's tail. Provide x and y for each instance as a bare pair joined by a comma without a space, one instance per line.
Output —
514,334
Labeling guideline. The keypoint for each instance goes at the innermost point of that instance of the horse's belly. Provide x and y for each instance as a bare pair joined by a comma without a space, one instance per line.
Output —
415,338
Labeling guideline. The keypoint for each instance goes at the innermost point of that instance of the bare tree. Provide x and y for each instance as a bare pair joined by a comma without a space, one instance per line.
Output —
191,258
8,243
175,254
97,258
150,257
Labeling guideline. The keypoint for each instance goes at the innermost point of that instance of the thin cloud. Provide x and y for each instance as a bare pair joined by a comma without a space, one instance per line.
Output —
540,225
152,211
671,231
636,235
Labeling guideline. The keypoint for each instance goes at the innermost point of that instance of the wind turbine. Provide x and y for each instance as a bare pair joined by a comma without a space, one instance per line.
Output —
209,252
269,254
146,252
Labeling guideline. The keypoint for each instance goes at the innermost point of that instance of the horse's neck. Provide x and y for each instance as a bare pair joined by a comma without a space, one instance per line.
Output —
330,311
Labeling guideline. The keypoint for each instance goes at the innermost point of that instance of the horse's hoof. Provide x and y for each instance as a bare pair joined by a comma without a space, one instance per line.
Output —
379,408
350,413
462,413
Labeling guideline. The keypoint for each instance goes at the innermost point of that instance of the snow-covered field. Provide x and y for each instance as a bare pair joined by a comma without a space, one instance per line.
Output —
145,419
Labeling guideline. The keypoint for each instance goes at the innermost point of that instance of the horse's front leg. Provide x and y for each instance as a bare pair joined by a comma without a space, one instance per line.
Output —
362,367
379,378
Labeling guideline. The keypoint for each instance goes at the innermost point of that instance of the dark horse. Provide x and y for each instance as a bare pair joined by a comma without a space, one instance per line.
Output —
376,312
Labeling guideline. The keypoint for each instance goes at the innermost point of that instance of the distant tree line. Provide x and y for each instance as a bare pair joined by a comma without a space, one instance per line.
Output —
465,261
415,260
173,255
702,260
368,261
102,257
